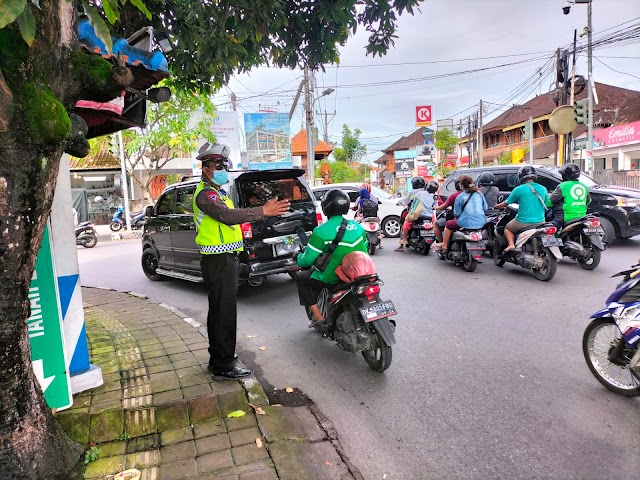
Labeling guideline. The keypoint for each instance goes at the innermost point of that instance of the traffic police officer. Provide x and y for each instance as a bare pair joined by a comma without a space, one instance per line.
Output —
219,239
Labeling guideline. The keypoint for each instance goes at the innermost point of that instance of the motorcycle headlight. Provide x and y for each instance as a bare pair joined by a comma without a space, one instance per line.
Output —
628,201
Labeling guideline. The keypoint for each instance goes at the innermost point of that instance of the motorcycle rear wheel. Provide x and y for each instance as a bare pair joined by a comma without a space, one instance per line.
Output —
423,248
469,264
91,240
372,249
617,378
593,262
497,258
549,271
379,356
115,226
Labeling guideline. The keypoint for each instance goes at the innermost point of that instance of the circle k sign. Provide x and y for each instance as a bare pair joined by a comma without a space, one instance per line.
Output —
423,116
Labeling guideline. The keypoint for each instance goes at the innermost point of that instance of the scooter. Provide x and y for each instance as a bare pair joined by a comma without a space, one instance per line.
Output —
421,235
356,318
466,247
537,249
371,226
86,235
582,240
118,222
611,341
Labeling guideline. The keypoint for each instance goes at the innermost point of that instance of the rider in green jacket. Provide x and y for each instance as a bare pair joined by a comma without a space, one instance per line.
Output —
570,198
335,204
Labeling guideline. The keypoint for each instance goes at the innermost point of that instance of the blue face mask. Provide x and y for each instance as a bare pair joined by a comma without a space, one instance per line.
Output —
220,177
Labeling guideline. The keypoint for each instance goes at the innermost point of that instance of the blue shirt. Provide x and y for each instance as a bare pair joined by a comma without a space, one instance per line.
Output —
530,208
473,214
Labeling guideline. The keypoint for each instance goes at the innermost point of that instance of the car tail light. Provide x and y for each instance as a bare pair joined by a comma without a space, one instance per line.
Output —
551,230
319,218
593,222
247,232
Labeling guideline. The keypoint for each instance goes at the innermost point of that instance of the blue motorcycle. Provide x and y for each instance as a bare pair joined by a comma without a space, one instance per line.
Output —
610,342
118,222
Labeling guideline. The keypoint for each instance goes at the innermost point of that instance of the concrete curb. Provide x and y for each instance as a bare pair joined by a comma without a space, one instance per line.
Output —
116,236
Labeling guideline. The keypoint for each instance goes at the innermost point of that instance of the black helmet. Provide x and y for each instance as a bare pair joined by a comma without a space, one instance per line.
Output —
456,183
570,171
485,179
432,186
417,183
335,202
527,172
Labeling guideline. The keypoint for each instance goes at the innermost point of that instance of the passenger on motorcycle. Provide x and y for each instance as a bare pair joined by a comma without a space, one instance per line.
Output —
486,186
468,209
438,226
531,198
310,283
367,207
570,199
425,193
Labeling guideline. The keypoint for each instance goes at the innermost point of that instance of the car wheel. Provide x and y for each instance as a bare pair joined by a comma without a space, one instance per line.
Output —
150,264
392,226
609,230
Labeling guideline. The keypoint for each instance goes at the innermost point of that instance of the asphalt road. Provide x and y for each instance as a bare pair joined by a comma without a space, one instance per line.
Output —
488,380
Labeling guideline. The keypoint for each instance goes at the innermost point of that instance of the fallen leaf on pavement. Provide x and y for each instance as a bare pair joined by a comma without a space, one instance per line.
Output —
262,348
258,443
288,390
236,413
258,409
328,463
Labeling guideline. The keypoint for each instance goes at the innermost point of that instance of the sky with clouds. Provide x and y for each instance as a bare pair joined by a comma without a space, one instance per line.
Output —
379,95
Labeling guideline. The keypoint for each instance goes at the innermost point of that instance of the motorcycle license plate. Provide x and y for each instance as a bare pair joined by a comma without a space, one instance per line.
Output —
426,233
286,249
593,231
551,242
378,310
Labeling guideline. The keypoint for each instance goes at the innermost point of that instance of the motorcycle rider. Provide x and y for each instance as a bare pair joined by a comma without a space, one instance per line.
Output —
468,209
335,204
486,186
531,198
425,193
570,198
439,225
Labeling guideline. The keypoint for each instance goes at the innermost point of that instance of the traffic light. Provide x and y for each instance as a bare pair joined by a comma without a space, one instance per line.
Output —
580,111
527,130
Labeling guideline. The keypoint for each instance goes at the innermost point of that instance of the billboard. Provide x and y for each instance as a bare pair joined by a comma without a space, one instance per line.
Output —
268,140
424,116
224,126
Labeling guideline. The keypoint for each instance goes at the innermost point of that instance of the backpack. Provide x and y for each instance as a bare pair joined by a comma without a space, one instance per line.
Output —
415,208
369,208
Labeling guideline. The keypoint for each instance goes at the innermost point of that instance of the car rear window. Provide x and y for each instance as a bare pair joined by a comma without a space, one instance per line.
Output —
256,194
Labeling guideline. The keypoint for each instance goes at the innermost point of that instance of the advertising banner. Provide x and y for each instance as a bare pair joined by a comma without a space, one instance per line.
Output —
268,139
424,116
618,135
225,127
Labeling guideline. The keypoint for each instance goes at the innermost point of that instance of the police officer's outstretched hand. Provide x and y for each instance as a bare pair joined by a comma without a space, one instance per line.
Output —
275,207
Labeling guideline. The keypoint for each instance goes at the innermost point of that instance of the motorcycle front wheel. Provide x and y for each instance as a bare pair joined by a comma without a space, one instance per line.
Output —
89,241
379,356
602,338
115,226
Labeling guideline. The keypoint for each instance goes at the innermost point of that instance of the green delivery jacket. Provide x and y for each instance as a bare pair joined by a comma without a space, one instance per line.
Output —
354,239
570,200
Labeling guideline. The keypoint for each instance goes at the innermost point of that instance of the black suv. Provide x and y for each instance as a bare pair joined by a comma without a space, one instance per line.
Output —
618,207
168,242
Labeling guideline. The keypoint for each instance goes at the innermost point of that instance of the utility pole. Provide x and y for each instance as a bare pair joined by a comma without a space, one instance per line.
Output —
555,136
531,135
567,155
459,143
233,101
309,124
589,162
297,97
480,140
326,125
125,184
469,141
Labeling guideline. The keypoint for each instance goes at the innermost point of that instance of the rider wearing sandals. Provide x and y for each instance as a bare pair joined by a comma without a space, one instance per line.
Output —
531,198
335,204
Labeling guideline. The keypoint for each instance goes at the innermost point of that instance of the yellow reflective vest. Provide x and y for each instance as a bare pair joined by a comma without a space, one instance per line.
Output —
213,236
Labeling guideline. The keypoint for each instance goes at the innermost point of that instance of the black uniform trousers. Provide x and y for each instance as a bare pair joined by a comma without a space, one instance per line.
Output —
220,273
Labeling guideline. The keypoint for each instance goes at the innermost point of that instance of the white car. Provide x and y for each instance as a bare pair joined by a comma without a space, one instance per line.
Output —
388,211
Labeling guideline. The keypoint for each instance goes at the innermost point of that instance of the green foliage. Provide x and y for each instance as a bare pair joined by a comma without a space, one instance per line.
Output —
44,118
124,436
92,454
352,150
446,140
339,155
342,172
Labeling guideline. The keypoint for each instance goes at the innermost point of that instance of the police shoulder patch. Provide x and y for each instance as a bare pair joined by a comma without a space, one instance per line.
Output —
212,195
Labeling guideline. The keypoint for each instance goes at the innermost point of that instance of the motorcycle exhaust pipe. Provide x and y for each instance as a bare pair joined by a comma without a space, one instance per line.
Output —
574,249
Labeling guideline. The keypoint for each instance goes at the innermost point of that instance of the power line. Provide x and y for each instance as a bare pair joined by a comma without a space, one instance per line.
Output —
617,71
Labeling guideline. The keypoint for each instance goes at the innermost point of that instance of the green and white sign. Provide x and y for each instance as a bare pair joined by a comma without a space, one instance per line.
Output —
45,331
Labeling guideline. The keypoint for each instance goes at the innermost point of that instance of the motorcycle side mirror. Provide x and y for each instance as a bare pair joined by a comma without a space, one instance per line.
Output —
500,198
302,235
148,212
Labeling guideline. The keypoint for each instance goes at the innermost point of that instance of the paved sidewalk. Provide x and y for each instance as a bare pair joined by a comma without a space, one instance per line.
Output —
106,235
160,411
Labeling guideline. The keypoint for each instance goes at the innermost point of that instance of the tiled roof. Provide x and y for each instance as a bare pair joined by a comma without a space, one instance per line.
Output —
407,143
299,144
614,106
102,160
543,147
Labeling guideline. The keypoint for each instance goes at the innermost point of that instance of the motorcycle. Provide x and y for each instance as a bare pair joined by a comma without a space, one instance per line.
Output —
582,240
537,249
421,234
611,340
355,316
466,247
86,235
118,222
371,226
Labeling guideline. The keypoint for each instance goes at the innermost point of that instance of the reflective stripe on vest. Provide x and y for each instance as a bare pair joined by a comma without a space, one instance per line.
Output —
213,236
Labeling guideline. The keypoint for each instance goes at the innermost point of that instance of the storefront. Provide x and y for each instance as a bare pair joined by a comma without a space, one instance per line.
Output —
615,148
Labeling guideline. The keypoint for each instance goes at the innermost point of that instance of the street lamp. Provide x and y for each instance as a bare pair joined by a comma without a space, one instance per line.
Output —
566,8
311,160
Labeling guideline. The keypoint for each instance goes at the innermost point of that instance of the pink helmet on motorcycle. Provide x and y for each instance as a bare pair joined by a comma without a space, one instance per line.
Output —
354,265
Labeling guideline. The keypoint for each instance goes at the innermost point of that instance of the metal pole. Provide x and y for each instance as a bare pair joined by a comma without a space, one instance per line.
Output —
589,163
295,100
309,117
531,134
480,140
125,185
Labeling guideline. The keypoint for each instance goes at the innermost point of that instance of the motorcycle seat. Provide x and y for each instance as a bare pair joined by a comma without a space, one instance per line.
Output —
574,221
358,280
